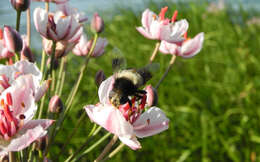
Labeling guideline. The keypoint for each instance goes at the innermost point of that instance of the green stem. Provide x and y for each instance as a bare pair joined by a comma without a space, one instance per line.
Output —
166,72
107,148
89,149
18,18
155,51
43,61
12,157
73,132
116,150
58,84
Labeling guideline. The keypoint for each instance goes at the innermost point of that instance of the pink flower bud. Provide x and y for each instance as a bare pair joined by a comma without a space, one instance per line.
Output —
55,104
97,23
12,39
100,77
152,97
27,54
20,5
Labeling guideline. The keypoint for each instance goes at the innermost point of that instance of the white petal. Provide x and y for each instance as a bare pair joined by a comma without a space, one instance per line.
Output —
104,89
132,142
110,118
40,18
151,122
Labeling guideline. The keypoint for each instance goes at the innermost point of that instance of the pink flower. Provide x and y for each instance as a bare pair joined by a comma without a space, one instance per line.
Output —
187,48
83,47
97,23
57,26
126,122
10,73
69,11
161,28
17,129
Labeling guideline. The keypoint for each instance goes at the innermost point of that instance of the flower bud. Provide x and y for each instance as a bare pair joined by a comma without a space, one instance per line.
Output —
152,97
20,5
97,23
12,39
42,143
55,104
27,54
100,77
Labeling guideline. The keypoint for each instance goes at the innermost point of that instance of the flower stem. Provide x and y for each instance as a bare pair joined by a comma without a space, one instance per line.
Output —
18,18
11,157
47,6
116,150
107,148
73,132
167,71
29,26
90,148
58,84
155,51
43,61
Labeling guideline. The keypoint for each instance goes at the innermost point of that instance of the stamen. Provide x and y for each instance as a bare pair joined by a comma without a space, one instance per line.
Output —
9,99
2,128
154,16
185,35
162,13
143,102
8,113
174,16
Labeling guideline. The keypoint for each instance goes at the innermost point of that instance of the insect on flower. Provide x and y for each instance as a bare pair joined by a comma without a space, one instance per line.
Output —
128,81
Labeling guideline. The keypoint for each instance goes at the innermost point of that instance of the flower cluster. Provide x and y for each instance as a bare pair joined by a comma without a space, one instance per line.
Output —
127,106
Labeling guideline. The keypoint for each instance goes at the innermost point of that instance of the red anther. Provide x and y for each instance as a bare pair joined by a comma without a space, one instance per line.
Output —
9,99
186,35
2,128
162,13
143,102
1,33
174,16
22,116
8,113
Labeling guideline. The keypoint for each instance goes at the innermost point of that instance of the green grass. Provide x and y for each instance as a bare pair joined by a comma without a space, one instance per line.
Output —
211,99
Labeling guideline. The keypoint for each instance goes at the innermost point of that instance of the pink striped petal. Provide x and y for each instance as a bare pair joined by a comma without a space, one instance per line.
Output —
132,142
168,48
110,118
193,46
147,18
151,122
40,17
29,133
144,33
104,89
177,31
62,24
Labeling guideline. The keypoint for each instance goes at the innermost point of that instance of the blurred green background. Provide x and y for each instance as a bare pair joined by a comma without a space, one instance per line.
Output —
210,99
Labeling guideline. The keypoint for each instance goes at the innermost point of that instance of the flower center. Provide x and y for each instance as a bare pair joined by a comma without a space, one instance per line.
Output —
131,113
8,123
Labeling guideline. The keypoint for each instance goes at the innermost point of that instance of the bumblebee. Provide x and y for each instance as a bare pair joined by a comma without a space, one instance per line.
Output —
127,84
